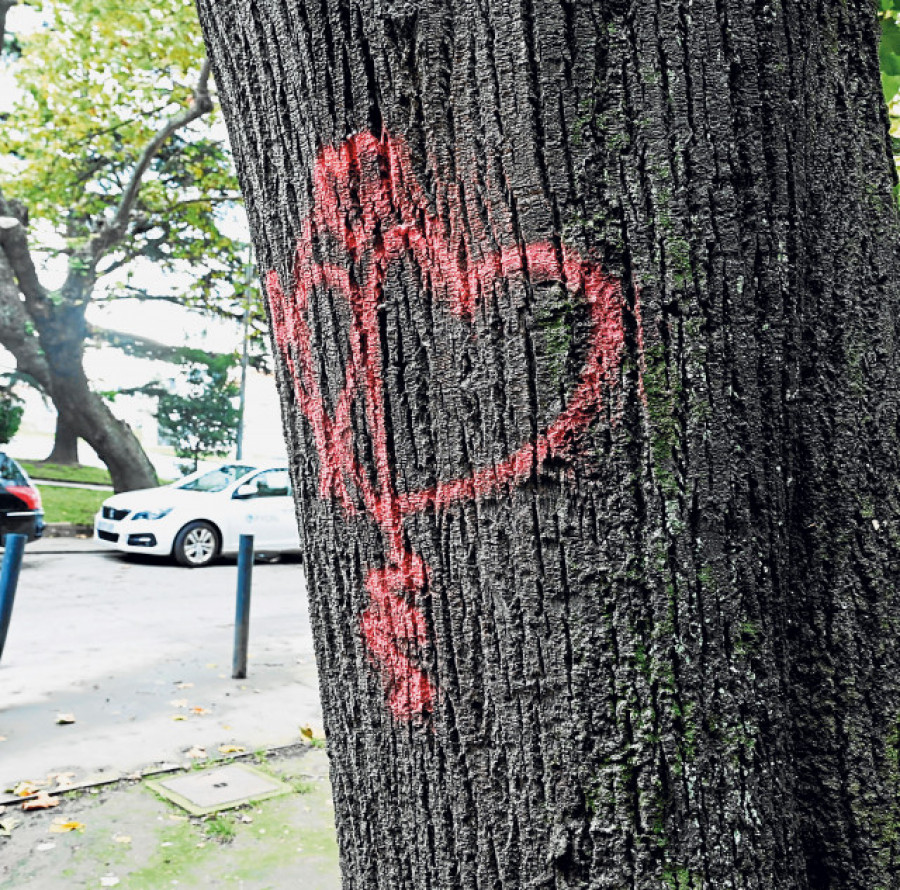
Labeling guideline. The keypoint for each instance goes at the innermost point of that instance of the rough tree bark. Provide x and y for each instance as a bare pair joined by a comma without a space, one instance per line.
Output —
586,317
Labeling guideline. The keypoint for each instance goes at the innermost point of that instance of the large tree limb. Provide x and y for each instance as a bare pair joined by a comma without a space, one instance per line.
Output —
17,253
114,229
144,347
15,327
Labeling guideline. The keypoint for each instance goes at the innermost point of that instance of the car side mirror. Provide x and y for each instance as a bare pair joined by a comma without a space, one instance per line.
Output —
247,490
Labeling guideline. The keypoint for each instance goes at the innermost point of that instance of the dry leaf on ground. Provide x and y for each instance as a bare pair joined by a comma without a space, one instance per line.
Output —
196,753
231,749
200,711
306,732
7,826
26,789
61,826
43,801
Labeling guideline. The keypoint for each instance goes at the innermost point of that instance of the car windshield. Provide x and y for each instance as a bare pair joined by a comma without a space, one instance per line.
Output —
216,480
10,474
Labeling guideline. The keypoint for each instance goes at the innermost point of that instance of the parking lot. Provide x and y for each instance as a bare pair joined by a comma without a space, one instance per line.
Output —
138,654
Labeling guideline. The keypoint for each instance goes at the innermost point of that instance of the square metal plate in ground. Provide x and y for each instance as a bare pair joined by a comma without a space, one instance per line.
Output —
212,790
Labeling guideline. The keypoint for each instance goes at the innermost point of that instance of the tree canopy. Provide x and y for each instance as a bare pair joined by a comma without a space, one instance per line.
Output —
117,181
202,421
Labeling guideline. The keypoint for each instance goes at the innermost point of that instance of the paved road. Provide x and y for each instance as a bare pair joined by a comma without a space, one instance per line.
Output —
131,647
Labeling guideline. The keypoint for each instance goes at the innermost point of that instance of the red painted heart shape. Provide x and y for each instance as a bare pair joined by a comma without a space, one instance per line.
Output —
368,202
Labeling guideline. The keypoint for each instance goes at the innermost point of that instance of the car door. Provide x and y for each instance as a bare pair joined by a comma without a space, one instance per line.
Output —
266,510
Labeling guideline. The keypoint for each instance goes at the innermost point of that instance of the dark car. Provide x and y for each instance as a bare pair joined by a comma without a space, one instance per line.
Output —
21,511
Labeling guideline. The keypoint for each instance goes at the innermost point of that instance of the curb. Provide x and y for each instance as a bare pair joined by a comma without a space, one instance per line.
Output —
67,530
117,778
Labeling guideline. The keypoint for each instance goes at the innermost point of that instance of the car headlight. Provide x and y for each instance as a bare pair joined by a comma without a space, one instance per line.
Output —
151,514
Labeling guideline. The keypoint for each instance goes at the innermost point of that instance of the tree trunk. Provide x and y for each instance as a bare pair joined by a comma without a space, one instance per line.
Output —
65,445
82,412
115,443
586,319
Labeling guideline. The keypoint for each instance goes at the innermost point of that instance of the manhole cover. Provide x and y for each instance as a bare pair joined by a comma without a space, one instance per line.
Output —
219,789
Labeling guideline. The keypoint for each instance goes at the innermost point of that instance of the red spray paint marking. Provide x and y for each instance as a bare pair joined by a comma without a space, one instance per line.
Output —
369,205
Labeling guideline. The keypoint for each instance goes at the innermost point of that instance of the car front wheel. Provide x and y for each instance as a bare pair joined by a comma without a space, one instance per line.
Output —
196,545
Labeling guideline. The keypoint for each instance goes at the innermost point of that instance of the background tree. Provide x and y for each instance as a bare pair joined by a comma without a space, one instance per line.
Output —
108,174
203,421
586,319
12,407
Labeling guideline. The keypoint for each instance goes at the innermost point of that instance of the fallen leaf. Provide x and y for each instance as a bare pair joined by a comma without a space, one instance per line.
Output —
184,685
26,789
61,826
179,703
7,825
179,717
43,801
2,738
200,711
122,839
62,780
306,732
196,753
231,749
65,719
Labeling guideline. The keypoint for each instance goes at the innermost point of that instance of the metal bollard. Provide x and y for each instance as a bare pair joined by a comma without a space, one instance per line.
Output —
9,580
242,616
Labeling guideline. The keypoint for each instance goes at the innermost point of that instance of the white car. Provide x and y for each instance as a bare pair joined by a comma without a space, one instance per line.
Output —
203,515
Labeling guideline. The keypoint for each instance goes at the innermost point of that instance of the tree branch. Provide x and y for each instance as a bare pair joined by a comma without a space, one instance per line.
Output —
144,347
129,292
14,247
15,327
113,230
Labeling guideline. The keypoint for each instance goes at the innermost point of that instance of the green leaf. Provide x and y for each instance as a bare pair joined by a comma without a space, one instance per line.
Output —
889,50
890,86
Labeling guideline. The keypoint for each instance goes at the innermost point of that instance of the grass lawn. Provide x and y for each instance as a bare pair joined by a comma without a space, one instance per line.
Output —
42,470
77,505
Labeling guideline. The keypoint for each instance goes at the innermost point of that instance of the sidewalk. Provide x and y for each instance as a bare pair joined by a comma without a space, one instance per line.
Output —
138,654
126,836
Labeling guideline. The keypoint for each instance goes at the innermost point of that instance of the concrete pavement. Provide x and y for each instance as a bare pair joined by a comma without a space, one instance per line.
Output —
138,654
